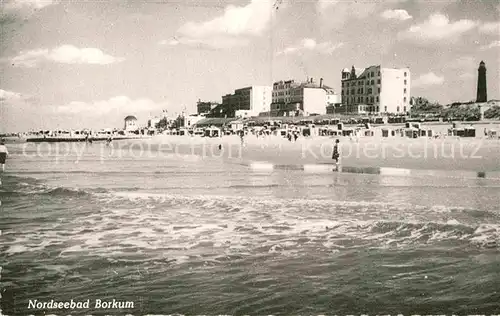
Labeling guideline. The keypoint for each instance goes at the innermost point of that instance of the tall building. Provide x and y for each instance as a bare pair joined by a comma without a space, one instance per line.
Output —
204,108
291,98
375,90
154,122
249,101
482,95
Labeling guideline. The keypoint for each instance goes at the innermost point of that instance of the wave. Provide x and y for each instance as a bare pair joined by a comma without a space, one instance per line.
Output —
144,232
15,186
67,192
21,186
161,197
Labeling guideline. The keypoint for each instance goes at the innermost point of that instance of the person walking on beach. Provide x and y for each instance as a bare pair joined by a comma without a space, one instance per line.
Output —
3,154
336,154
242,139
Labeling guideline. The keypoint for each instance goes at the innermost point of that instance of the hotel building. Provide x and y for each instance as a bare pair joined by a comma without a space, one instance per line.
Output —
375,90
203,108
249,101
295,99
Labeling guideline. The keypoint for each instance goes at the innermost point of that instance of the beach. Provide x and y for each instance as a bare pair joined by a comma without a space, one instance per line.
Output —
200,234
451,153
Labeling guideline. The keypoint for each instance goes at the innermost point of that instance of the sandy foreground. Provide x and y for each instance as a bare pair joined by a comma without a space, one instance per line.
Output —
450,153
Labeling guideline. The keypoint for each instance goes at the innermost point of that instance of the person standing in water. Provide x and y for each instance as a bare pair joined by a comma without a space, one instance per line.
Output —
3,154
109,141
336,153
242,139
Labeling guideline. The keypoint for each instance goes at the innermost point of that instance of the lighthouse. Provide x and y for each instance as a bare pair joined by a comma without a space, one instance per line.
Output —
482,95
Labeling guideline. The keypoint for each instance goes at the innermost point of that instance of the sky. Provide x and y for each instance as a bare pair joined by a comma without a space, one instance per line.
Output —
88,64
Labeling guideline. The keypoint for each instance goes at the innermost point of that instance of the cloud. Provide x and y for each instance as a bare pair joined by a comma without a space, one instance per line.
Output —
309,44
233,28
219,42
322,5
490,27
28,4
66,54
173,42
428,79
464,62
466,76
13,12
436,28
493,44
116,105
334,13
401,15
9,95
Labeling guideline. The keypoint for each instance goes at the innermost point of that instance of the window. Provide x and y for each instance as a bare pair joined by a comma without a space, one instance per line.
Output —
404,108
378,81
404,99
397,109
361,90
378,109
373,74
404,91
353,91
372,99
405,73
369,90
377,99
405,81
347,92
342,84
367,81
385,108
379,73
378,90
342,92
373,81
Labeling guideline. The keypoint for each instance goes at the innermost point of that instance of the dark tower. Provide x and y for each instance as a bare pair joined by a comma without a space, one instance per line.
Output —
481,83
353,72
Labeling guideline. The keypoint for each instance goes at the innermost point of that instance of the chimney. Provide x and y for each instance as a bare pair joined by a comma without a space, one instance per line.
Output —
312,80
321,82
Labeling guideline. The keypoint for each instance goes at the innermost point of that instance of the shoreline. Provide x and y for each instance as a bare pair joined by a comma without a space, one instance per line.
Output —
445,154
468,154
423,154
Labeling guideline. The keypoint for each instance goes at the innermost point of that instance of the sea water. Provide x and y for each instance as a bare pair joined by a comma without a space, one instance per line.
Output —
205,236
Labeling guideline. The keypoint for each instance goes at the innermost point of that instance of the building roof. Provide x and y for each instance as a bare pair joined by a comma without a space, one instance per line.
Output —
131,118
284,81
214,121
314,85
